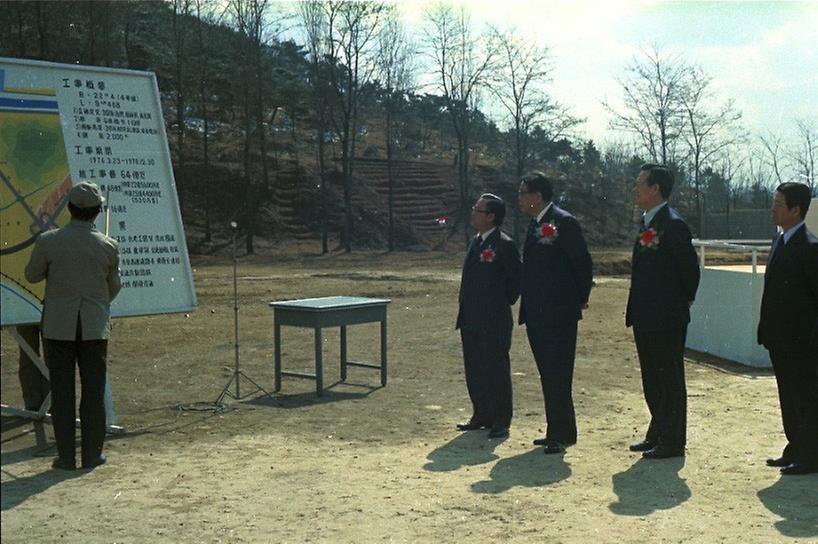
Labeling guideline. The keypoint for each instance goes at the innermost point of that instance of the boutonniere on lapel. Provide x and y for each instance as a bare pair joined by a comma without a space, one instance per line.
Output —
488,255
649,239
547,233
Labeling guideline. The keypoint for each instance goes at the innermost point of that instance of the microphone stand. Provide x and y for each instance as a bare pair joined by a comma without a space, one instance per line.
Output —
237,372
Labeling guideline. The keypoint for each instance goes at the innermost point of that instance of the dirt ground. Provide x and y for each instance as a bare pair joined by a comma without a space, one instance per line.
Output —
370,464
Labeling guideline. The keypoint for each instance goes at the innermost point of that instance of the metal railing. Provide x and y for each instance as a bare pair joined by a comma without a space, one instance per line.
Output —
752,246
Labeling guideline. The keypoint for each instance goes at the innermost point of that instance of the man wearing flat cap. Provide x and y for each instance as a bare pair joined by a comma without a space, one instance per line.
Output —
81,269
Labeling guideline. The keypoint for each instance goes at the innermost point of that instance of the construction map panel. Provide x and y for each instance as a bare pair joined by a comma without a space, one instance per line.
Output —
62,124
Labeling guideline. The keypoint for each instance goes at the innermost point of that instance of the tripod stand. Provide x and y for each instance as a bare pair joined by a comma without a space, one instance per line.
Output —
237,372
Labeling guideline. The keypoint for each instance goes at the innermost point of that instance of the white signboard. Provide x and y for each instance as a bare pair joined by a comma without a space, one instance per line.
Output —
61,124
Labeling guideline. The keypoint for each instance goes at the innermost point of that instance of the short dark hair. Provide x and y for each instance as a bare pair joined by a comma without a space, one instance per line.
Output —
83,214
659,173
495,205
537,182
796,194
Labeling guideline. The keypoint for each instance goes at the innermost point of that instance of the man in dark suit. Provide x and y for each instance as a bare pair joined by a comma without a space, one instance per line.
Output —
788,327
556,284
490,284
664,279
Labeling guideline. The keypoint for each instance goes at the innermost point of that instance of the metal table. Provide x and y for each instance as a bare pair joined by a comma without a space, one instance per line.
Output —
317,313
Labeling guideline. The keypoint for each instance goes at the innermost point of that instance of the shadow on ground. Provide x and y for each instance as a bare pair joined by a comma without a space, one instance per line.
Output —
648,486
16,491
300,400
530,469
727,366
794,499
465,450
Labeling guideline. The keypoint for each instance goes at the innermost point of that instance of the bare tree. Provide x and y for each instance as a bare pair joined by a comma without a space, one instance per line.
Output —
395,70
709,131
351,31
804,152
179,30
654,109
462,60
208,14
19,10
759,177
519,84
41,13
775,151
729,163
250,19
314,22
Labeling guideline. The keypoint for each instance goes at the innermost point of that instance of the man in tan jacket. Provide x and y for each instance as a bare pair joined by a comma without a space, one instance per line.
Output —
81,269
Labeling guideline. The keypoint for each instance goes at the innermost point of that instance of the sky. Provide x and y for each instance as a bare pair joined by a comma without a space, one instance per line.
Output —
762,54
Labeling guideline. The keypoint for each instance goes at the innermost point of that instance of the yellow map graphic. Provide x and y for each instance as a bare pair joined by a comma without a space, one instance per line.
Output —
34,186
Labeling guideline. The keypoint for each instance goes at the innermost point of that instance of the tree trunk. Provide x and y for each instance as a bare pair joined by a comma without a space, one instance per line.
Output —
248,178
21,39
265,176
390,176
205,154
324,191
42,29
92,35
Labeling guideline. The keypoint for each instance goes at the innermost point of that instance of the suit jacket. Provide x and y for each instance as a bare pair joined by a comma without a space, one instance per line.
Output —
81,269
664,277
489,284
557,274
789,306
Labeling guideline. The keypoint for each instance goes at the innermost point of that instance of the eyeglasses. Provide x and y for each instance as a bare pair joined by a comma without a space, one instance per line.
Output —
475,209
521,193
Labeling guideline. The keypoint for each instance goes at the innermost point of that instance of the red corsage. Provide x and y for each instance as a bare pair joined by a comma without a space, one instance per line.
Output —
547,233
649,239
487,255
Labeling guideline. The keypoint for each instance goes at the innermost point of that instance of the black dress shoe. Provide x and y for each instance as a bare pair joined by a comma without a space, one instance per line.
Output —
470,426
642,446
799,468
63,464
552,446
498,432
663,452
779,462
101,460
544,441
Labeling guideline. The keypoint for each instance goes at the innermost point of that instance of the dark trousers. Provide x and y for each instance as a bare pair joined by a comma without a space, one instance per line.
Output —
32,382
797,377
62,357
661,359
488,375
554,350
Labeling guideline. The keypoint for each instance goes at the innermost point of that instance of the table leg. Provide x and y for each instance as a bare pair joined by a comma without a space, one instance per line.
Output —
343,353
383,352
277,344
319,363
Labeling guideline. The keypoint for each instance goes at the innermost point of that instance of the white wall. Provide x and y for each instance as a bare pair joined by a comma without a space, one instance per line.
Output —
724,318
812,217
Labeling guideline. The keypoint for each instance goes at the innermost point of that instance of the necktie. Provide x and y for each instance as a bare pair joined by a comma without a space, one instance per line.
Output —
642,226
479,241
474,249
532,230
